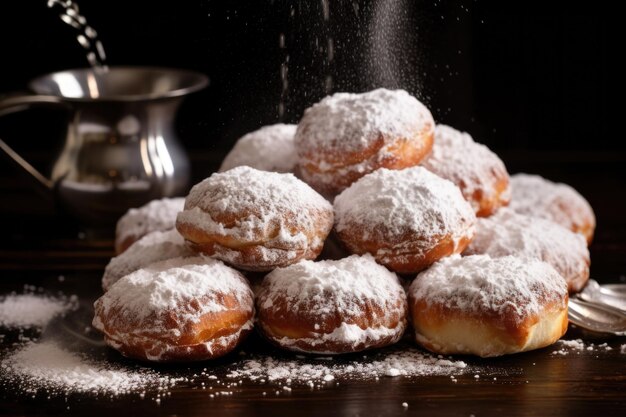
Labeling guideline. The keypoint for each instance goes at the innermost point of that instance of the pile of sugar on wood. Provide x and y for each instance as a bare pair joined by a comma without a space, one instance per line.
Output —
47,366
33,308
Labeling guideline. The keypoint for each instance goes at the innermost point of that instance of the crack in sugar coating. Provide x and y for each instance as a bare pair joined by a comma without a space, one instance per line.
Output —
478,172
332,306
254,219
510,233
403,214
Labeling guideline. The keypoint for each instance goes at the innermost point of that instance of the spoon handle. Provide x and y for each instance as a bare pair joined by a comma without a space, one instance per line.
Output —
597,317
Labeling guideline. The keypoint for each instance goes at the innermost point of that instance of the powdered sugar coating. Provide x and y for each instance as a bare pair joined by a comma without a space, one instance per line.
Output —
346,122
153,247
161,301
276,211
157,215
470,165
346,136
342,292
510,233
538,197
270,148
399,208
507,288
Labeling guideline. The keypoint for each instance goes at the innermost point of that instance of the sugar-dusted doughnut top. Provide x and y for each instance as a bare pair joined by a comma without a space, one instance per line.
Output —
510,233
472,166
538,197
346,123
156,215
254,202
269,148
325,288
165,297
153,247
504,289
349,301
389,205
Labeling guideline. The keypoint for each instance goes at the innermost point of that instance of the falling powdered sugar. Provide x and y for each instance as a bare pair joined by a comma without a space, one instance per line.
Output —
33,310
47,366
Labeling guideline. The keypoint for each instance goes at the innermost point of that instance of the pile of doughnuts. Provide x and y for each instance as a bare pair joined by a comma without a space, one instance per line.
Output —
410,223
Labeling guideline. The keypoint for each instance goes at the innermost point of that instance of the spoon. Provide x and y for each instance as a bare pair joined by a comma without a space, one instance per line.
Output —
613,295
597,317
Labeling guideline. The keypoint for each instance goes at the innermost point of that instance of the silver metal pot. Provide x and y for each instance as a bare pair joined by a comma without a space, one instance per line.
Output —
121,149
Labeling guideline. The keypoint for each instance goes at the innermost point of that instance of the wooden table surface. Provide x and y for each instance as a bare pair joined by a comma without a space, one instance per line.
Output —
38,247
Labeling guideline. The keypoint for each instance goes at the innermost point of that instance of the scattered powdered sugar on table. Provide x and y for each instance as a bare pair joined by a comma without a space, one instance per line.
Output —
33,310
270,148
58,371
408,362
578,346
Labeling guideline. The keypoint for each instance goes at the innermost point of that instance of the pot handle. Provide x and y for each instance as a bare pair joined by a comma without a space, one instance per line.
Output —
19,102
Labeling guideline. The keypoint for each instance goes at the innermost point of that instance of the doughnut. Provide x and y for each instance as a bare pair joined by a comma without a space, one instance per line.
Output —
346,136
270,148
510,233
179,310
153,247
478,172
255,220
538,197
332,307
157,215
407,219
488,306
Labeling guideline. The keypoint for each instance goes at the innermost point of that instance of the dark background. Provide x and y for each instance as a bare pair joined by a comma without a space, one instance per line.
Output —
539,82
515,74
